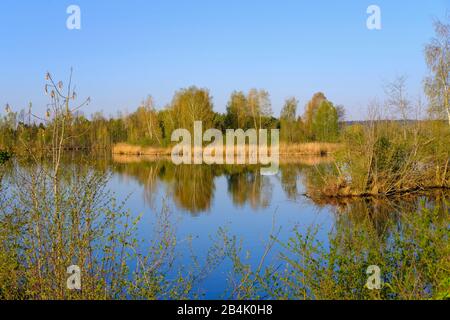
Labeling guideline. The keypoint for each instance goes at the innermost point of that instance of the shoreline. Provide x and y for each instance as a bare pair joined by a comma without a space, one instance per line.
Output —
300,149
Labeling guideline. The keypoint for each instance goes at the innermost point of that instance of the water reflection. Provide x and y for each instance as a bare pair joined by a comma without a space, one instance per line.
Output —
395,234
383,212
192,187
359,228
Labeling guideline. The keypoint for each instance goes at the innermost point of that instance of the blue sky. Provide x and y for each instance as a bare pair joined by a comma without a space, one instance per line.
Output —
126,50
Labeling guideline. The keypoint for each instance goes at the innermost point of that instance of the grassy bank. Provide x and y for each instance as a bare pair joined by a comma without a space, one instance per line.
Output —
129,149
308,160
387,159
312,148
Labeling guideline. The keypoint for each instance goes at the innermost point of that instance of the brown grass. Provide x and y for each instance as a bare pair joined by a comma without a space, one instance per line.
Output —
312,148
309,160
129,149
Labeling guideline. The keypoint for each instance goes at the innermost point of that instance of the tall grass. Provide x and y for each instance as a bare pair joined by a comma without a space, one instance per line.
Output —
380,160
297,149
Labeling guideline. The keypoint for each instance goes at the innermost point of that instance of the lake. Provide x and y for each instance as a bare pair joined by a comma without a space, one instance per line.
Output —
205,198
206,201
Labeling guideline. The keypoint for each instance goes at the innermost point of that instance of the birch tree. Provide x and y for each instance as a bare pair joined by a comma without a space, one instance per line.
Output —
437,55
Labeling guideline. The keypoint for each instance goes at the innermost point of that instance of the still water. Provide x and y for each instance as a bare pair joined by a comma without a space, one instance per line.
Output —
204,198
245,203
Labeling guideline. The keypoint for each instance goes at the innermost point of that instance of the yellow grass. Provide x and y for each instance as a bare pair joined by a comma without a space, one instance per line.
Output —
309,160
312,148
129,149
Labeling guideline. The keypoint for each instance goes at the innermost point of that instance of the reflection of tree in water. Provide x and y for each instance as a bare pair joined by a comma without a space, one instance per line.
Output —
314,178
151,182
289,174
382,212
146,173
193,187
249,186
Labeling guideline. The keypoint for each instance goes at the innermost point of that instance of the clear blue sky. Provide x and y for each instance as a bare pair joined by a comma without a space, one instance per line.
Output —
128,49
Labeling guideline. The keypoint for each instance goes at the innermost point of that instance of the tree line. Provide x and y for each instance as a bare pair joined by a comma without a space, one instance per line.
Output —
150,126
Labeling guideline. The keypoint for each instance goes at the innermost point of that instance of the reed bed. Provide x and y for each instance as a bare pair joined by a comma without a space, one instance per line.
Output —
312,148
382,161
307,160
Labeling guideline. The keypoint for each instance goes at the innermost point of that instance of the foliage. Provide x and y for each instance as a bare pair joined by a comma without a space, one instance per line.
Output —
310,113
236,116
411,250
191,105
386,158
4,156
291,128
412,254
149,127
325,123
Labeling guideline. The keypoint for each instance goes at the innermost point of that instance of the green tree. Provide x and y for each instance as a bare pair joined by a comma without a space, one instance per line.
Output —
236,116
310,113
288,123
167,123
192,104
325,124
143,125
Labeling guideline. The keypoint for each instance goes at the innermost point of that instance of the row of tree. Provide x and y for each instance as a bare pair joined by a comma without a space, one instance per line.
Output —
149,126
